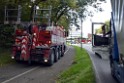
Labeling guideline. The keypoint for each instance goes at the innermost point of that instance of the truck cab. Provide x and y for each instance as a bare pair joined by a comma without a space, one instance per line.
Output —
114,42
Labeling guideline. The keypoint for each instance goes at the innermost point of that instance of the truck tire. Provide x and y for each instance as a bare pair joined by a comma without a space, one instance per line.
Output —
29,61
113,71
51,58
56,55
18,61
62,53
59,52
65,48
17,57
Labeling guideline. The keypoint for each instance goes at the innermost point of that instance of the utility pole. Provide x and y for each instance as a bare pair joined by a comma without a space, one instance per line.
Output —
71,37
81,32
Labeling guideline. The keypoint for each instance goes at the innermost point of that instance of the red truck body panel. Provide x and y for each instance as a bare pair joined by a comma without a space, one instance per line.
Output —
38,44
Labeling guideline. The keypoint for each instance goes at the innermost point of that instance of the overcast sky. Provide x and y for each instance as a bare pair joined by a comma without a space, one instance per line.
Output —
98,17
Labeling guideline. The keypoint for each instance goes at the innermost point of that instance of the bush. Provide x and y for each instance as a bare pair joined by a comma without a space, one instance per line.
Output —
6,35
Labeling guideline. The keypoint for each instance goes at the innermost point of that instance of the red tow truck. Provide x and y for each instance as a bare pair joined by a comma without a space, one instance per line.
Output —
44,43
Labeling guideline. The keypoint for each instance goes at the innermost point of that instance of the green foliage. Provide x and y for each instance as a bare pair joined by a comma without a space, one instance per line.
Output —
64,21
6,35
5,57
60,8
99,30
107,26
2,4
25,13
81,70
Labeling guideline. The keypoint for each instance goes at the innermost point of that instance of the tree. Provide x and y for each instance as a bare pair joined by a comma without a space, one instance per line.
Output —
64,12
107,28
60,9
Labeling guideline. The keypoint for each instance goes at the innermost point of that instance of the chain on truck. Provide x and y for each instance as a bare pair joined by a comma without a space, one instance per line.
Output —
36,41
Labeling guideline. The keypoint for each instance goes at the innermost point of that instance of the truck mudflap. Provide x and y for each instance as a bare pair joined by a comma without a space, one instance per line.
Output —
16,52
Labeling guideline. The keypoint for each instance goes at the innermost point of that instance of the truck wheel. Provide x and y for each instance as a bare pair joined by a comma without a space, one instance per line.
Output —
29,62
59,53
62,53
65,48
113,71
51,59
56,55
17,57
18,61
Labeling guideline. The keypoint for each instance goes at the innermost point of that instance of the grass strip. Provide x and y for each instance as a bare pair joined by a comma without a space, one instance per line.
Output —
5,57
81,71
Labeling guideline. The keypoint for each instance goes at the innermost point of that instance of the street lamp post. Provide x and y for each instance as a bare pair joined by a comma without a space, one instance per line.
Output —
71,37
81,33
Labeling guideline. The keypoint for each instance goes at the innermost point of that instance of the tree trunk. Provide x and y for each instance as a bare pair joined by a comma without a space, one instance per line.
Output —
31,14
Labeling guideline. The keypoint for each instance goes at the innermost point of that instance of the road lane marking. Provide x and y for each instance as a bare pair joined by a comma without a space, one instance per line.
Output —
97,75
6,81
67,50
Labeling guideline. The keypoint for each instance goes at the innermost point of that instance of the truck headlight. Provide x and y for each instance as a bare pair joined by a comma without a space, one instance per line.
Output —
12,57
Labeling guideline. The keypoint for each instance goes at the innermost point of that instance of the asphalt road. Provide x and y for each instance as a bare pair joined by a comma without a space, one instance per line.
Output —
101,67
37,73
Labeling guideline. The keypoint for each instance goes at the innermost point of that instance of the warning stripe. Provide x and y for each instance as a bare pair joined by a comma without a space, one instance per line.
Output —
34,41
35,36
24,48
